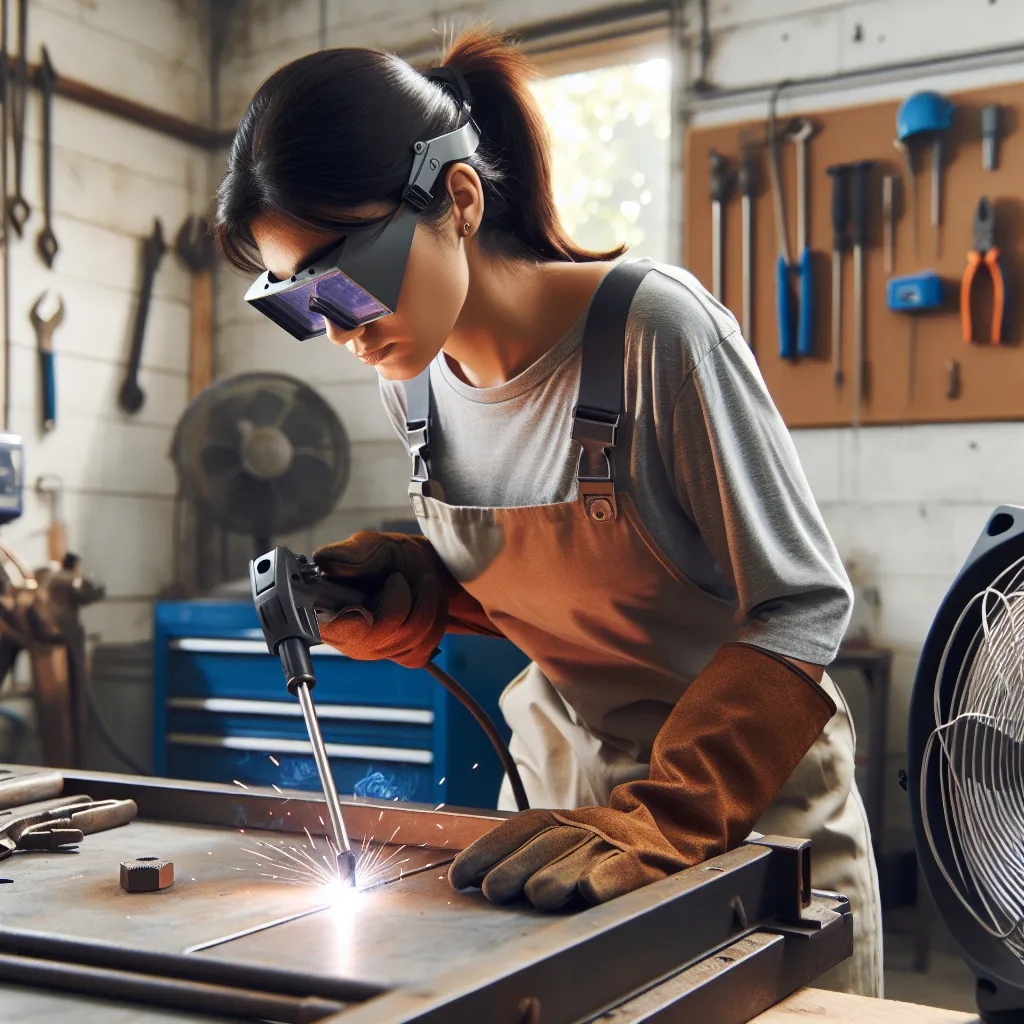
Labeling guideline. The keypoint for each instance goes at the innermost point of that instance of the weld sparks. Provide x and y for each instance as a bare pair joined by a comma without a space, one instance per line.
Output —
297,866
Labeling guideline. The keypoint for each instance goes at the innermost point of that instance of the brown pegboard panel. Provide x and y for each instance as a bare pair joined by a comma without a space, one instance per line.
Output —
991,377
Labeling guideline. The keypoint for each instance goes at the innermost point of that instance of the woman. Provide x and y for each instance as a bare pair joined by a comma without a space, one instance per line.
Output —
598,470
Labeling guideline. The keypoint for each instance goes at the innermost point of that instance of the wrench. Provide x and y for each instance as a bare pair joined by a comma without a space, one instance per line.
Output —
131,396
46,243
44,339
194,246
17,206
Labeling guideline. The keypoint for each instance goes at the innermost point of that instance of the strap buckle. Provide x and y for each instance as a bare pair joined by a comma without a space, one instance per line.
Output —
596,434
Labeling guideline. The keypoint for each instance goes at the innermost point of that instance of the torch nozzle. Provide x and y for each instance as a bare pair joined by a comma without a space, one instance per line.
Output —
347,868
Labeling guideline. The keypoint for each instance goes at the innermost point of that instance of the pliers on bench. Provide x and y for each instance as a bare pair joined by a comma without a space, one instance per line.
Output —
57,828
984,251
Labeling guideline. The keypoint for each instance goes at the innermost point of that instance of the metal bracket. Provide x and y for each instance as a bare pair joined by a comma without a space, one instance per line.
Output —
595,474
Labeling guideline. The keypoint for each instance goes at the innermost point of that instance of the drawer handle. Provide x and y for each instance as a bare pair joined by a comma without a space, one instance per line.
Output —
291,709
267,745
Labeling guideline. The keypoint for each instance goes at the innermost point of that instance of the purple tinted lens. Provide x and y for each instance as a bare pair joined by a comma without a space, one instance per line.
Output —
301,310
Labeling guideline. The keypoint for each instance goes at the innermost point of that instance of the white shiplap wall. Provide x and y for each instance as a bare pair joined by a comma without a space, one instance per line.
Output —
904,504
110,179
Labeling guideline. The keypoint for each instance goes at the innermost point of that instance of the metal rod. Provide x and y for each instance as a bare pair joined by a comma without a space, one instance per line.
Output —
716,250
858,331
887,220
937,191
323,767
837,317
746,207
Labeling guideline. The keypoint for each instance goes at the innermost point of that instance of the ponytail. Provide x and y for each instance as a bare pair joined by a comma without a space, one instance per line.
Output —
519,208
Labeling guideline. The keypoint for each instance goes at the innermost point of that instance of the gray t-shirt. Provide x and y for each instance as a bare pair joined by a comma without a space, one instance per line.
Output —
710,464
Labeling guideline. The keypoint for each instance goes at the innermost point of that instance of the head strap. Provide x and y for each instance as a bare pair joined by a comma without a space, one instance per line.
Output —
455,82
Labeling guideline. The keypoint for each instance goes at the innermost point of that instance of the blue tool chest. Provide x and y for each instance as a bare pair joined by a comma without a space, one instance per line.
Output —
222,713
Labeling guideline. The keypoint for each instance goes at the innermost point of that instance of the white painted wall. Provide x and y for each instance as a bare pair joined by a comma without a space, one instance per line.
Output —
904,503
111,178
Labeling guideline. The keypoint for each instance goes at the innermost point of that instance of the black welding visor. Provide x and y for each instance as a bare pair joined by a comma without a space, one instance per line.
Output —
360,280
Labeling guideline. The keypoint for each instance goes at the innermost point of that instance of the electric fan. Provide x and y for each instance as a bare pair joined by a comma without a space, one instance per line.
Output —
966,769
261,454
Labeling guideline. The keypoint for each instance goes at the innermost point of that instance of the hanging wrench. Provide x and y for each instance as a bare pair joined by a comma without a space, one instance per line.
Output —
131,395
46,243
17,206
44,338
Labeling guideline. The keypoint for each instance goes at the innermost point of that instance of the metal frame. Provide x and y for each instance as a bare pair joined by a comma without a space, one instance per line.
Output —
723,940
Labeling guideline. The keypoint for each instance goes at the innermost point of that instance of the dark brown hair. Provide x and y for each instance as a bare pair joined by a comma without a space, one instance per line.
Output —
335,129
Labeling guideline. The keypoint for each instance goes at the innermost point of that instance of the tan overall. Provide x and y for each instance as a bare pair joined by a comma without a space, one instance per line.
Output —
616,633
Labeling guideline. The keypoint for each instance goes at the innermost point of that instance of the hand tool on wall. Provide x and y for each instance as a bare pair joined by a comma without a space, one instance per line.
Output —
924,117
131,396
914,294
860,174
721,185
800,133
840,220
985,251
44,341
194,246
46,243
991,125
17,206
51,486
889,200
783,294
746,180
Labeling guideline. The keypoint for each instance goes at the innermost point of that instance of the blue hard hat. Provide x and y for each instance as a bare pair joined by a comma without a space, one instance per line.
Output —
923,112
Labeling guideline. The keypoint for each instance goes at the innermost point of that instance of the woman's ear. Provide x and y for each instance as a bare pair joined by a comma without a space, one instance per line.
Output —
467,192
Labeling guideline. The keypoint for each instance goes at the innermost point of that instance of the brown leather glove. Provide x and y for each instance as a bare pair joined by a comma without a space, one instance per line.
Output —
722,756
411,599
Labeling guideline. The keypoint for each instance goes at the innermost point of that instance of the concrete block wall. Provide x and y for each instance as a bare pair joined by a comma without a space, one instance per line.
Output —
904,503
110,179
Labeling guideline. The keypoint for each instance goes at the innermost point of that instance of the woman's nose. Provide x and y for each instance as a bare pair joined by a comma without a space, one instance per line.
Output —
342,337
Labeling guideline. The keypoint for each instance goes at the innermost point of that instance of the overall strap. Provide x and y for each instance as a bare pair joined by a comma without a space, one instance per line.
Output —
598,410
417,427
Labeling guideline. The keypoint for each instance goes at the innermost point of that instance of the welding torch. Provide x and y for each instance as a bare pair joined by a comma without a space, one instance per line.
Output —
287,590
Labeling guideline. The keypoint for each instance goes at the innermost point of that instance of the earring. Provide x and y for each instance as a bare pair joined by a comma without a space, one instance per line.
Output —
466,228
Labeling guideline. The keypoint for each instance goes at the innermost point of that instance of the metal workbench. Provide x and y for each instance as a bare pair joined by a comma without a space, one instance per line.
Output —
720,942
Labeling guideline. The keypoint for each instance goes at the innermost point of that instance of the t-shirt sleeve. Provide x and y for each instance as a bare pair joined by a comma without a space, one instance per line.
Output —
738,477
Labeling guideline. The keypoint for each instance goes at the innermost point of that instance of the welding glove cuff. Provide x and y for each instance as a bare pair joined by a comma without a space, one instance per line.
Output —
722,756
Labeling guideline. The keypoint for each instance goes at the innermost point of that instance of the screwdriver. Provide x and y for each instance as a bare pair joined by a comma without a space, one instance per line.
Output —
838,173
860,172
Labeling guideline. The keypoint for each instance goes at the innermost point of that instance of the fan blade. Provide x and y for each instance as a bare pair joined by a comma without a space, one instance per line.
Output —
216,460
306,483
264,409
302,427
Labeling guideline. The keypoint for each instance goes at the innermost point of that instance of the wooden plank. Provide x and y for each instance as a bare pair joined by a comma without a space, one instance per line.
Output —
822,1007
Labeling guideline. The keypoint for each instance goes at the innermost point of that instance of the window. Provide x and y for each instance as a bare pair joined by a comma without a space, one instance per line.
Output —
610,131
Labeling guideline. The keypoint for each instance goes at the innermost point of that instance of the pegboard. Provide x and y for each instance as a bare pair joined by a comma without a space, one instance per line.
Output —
991,378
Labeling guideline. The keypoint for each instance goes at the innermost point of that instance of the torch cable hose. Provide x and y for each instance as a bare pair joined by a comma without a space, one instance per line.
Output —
484,721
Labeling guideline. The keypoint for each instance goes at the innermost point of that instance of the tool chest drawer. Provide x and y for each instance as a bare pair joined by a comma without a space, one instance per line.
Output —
222,712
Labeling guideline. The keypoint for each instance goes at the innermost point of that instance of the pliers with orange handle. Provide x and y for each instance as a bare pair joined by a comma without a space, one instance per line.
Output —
984,251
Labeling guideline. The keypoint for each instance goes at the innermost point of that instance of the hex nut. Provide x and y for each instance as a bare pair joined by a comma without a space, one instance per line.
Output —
146,874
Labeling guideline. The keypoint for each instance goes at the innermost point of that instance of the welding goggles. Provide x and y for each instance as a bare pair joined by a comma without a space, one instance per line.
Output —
360,280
